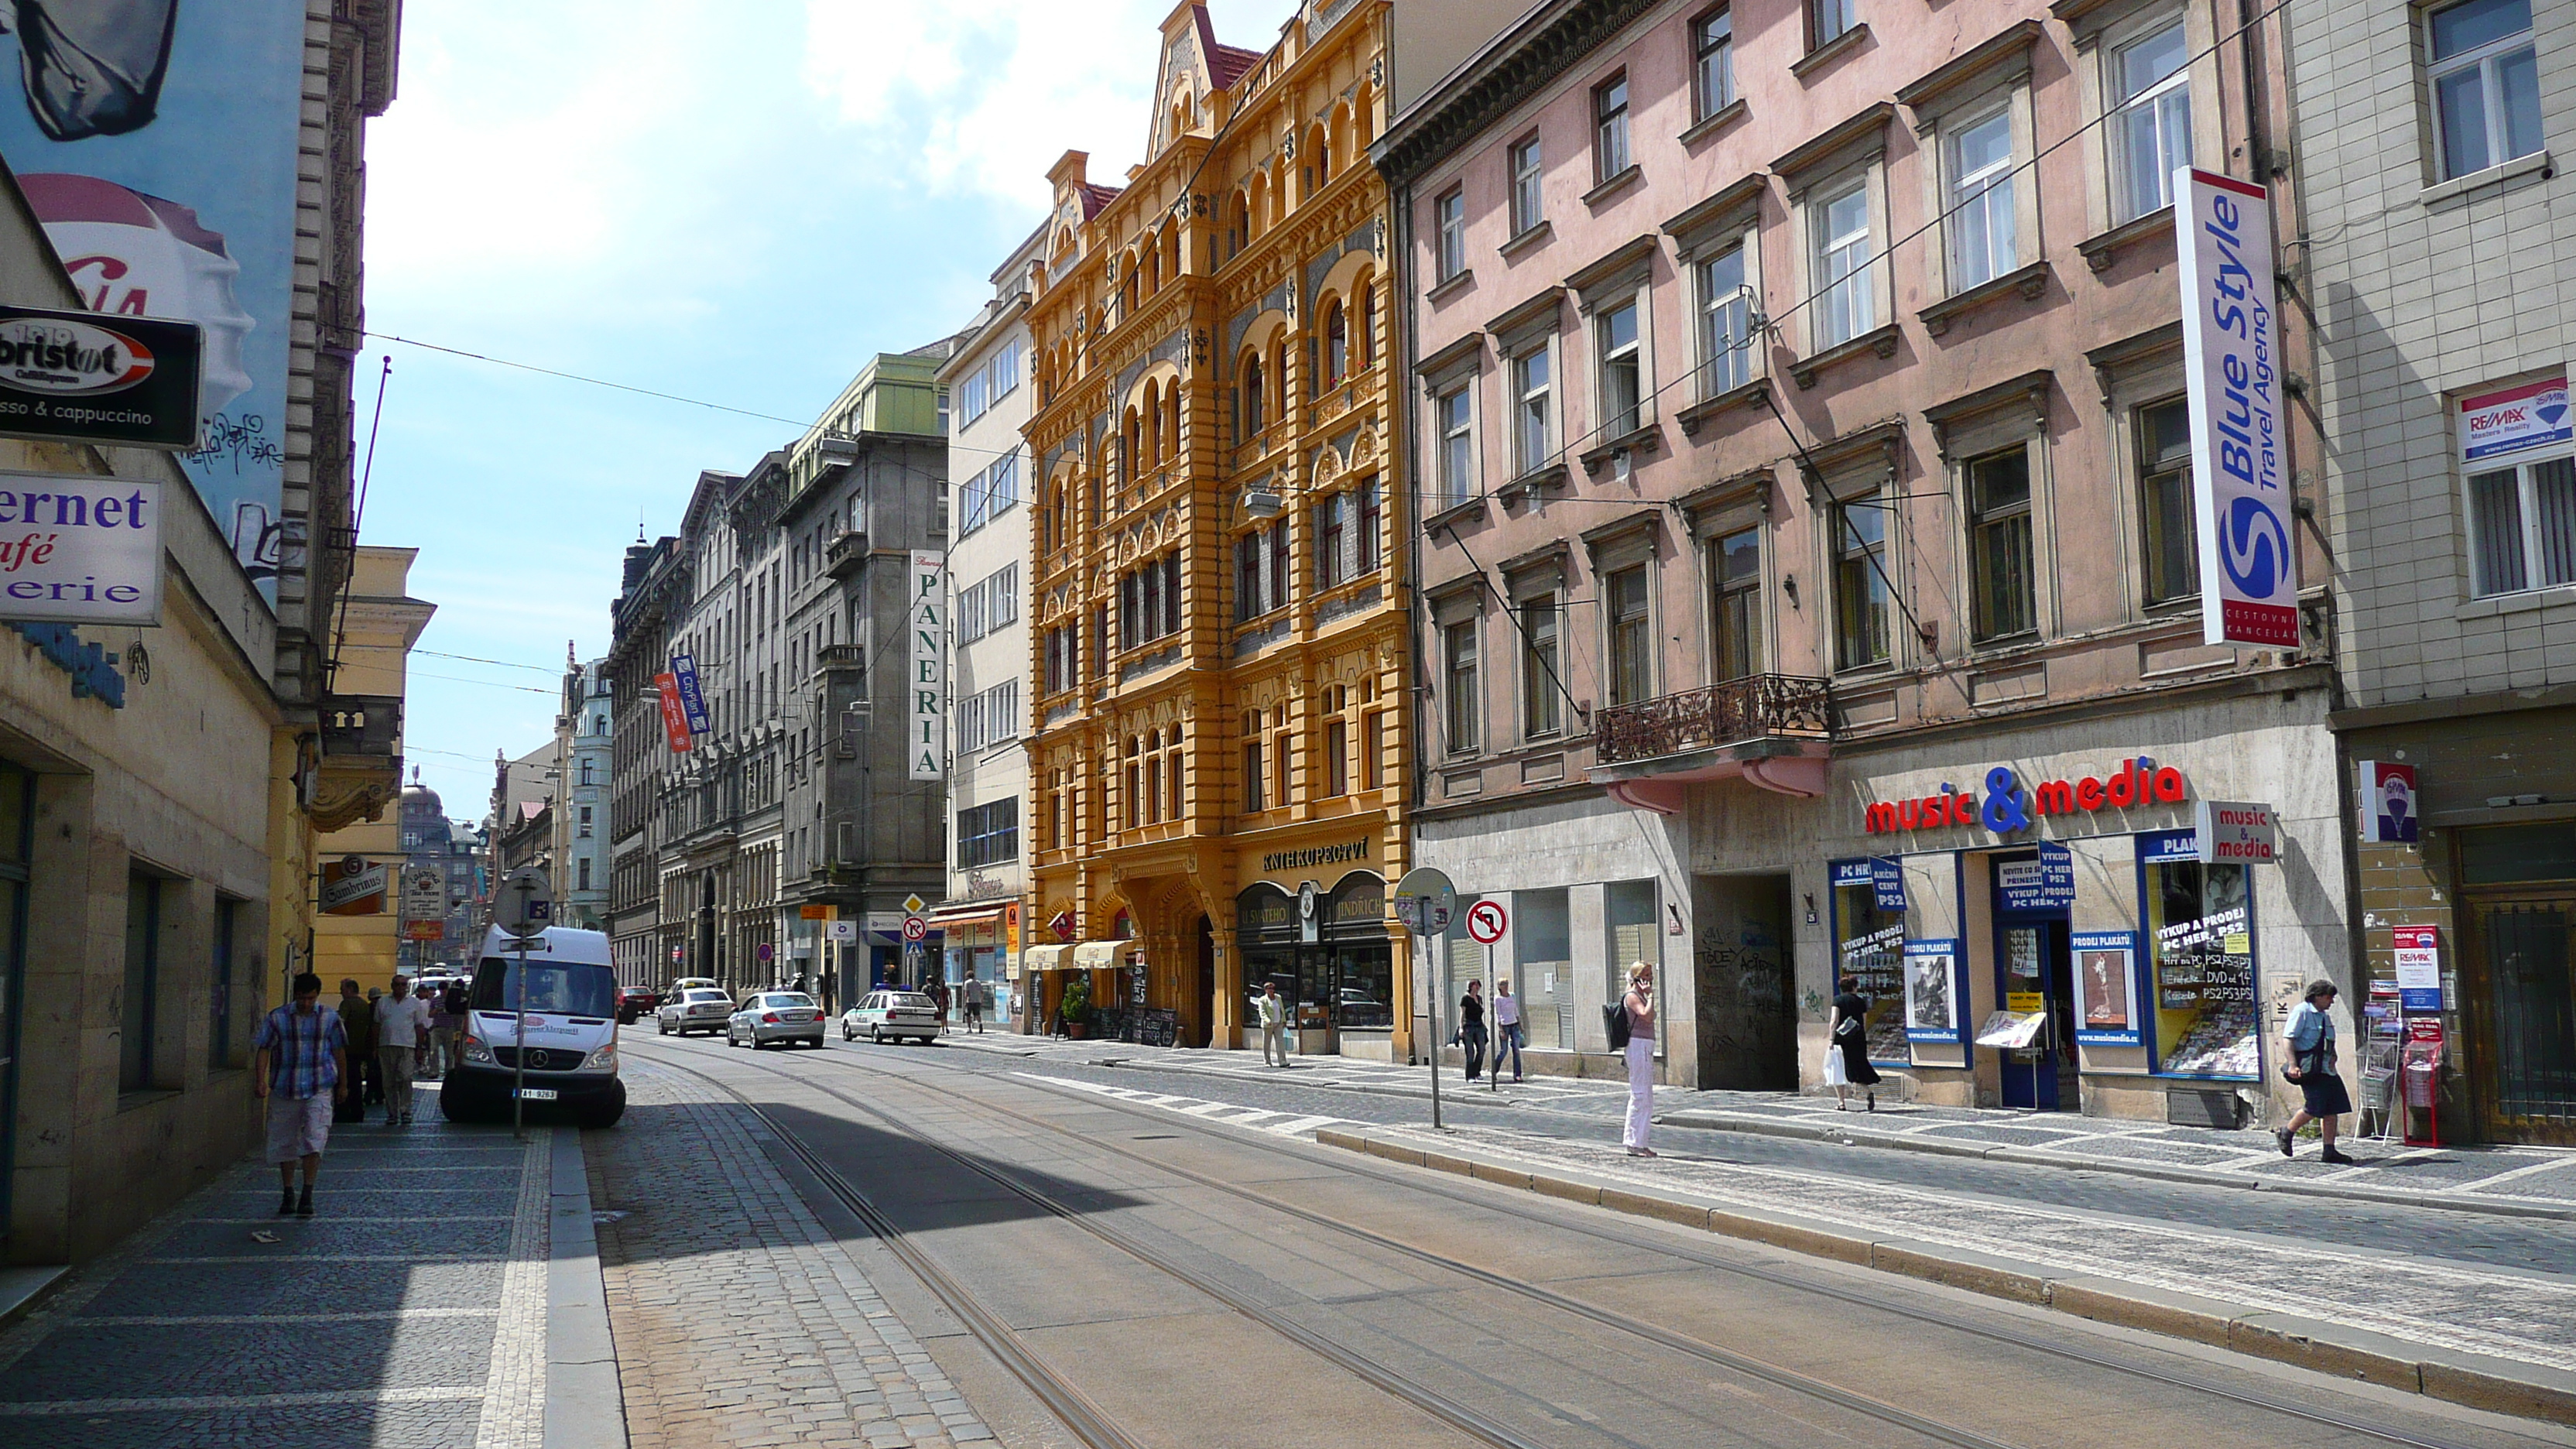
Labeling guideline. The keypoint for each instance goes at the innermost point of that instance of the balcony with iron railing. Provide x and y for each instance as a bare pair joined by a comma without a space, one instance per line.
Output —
1773,730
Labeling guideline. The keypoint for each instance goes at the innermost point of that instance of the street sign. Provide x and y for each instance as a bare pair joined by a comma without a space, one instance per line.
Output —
912,905
1425,900
525,904
914,929
1486,921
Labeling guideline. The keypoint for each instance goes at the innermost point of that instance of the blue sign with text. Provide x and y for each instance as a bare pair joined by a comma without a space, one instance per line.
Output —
693,703
1887,880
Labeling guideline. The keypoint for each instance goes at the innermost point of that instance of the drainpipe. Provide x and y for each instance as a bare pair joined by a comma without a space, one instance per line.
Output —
1400,391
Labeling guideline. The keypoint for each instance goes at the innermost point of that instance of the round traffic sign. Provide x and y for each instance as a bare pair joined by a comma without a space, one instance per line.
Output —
1485,922
915,929
1425,900
525,903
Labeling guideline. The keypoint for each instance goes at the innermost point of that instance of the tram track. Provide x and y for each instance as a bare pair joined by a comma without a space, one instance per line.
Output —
1447,1408
2026,1341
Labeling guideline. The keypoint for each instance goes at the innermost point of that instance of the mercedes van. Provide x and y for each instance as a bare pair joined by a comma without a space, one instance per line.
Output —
570,990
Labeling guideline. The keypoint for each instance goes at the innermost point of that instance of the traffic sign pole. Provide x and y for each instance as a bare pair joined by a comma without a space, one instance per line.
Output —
1424,902
528,906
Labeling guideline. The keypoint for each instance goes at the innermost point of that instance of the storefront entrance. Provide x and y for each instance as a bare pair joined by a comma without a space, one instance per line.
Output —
2034,971
2516,984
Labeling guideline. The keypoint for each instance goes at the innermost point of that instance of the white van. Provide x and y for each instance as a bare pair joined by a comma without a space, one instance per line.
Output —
571,991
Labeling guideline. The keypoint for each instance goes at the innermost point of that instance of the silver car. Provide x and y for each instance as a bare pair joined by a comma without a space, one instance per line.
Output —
696,1009
775,1018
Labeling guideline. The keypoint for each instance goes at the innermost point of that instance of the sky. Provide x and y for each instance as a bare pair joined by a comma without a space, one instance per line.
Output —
738,204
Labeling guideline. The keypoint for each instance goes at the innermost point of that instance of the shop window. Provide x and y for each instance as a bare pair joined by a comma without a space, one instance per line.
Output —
1999,544
1542,965
1632,636
2200,953
2150,130
221,978
1541,680
1869,957
2522,526
2165,503
2486,84
1628,916
2511,854
1735,563
1860,582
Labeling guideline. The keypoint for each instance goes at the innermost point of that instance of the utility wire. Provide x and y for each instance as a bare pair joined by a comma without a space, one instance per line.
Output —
504,663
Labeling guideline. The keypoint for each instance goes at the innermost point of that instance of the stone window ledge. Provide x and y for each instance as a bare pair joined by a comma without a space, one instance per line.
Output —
2513,170
1715,121
1831,51
1453,286
2101,251
1615,183
2028,282
2523,602
1880,342
1699,414
1536,236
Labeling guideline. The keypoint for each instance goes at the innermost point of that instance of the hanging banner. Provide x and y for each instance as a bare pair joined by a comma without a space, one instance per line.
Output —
693,702
1887,882
675,720
2249,567
79,550
159,150
353,886
926,713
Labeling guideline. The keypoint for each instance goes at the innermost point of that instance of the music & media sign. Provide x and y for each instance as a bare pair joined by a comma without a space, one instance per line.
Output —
2249,568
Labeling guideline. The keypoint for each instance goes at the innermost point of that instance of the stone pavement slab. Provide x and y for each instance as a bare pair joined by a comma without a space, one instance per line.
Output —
737,1318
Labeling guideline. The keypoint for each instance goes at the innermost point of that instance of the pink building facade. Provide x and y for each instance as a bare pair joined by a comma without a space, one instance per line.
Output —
1796,419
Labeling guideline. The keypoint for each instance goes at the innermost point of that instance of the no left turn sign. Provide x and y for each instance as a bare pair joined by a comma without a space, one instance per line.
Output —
1486,921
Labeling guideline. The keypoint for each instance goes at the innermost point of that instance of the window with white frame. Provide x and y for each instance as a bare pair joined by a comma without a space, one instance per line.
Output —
1830,20
1452,412
1712,64
1533,411
1610,127
1622,370
2150,132
2486,84
1449,224
1982,241
989,383
2522,525
988,717
988,604
1725,323
1529,201
1846,306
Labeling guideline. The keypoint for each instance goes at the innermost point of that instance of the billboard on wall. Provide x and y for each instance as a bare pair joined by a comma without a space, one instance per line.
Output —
156,141
2231,337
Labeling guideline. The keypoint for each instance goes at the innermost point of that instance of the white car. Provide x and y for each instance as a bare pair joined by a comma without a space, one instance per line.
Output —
699,1008
775,1018
882,1014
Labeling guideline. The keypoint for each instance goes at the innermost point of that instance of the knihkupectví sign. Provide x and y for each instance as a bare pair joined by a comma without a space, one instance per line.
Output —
82,378
2249,568
78,550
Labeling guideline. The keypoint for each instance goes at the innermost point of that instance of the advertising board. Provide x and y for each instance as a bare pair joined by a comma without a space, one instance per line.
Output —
79,550
2249,566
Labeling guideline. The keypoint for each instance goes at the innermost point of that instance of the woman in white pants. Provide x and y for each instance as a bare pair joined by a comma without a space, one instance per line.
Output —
1639,1003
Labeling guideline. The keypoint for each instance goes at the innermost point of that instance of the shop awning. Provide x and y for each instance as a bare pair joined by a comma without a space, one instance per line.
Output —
962,912
1098,955
1044,958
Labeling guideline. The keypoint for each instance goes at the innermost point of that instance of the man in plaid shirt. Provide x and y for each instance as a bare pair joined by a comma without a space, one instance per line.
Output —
302,1064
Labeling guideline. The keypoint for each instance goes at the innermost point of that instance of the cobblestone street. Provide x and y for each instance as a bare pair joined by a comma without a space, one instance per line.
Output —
738,1319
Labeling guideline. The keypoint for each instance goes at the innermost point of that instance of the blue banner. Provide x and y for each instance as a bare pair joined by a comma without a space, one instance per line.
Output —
693,703
1887,880
156,141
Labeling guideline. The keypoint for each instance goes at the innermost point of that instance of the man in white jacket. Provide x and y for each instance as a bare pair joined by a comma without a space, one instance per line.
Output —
402,1031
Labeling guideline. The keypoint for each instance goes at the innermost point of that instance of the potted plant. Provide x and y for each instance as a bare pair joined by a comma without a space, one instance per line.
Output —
1076,1010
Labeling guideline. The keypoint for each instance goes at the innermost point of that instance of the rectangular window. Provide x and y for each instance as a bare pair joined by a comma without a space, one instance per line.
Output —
1457,447
1982,242
1465,709
1832,19
1277,595
1736,564
2172,544
988,834
584,873
220,993
1610,128
1449,223
1541,674
1373,750
2522,526
1999,545
137,1023
1846,306
1632,637
1528,201
1252,778
1860,588
1002,483
1364,541
2200,953
1330,521
2150,86
2486,84
1622,370
1337,759
585,822
1725,324
1712,64
1247,577
1533,430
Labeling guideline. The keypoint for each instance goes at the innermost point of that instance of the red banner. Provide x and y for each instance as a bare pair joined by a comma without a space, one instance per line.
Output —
675,720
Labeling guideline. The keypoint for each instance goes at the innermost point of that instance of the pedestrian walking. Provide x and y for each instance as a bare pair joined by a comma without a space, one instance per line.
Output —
1508,1036
2310,1036
1471,1028
402,1032
1847,1050
1639,1006
974,1005
1274,1026
299,1067
358,1030
446,1013
939,999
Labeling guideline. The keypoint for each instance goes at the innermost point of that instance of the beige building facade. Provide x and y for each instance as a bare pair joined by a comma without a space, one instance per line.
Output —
379,622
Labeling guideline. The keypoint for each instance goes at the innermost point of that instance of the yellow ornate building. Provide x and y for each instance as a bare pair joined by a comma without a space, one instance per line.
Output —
1219,737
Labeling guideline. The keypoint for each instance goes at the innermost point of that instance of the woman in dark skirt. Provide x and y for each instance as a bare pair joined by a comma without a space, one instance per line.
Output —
2310,1036
1847,1050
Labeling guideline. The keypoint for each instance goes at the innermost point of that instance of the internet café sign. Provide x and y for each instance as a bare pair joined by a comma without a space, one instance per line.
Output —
2007,807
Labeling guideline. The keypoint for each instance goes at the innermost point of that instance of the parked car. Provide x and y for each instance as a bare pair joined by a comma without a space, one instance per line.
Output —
634,1001
699,1008
898,1014
774,1018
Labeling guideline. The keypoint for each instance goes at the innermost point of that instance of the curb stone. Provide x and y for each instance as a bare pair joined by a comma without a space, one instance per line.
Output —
585,1404
1707,1120
2477,1381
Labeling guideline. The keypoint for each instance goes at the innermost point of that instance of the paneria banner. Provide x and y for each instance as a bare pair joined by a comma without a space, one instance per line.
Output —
79,550
2249,566
927,712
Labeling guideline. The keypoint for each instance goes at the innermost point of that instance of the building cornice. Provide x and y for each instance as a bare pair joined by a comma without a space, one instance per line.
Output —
1507,77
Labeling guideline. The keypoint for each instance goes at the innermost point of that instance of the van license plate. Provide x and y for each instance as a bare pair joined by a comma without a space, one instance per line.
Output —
536,1094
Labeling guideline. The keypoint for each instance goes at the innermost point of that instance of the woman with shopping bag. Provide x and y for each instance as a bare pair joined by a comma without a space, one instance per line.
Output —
1847,1050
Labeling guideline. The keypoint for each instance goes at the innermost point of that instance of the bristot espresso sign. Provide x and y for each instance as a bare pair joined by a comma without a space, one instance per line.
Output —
83,377
79,550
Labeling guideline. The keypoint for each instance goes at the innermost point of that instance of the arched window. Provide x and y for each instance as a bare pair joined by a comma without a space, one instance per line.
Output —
1253,421
1337,342
1239,225
1367,285
1153,457
1172,420
1128,455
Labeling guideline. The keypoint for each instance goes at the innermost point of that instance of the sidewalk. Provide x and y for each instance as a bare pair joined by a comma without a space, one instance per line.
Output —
438,1298
2509,1181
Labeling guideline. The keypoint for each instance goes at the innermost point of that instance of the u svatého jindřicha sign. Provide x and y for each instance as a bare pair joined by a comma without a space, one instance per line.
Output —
2006,807
81,377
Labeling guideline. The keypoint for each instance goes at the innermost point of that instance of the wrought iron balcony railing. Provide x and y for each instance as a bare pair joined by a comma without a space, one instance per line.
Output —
1758,706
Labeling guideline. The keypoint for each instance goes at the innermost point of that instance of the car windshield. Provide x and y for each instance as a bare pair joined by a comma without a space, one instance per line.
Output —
706,996
566,987
786,998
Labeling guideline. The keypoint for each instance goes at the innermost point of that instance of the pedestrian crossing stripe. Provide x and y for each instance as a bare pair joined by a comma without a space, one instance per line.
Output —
1258,1119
